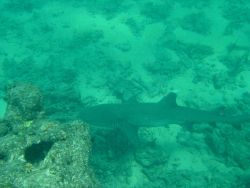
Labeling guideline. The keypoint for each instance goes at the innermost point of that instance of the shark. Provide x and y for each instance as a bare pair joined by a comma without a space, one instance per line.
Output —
130,116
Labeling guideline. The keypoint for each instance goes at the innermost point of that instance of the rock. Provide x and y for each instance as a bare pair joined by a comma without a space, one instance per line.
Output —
39,152
47,154
24,102
149,157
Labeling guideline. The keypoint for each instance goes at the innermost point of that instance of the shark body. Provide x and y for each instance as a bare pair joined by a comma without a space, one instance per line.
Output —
128,117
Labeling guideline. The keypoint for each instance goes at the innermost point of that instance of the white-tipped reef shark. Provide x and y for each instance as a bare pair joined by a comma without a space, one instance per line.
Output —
130,116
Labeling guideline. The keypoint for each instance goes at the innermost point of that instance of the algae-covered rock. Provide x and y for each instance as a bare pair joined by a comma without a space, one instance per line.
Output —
54,155
24,102
39,153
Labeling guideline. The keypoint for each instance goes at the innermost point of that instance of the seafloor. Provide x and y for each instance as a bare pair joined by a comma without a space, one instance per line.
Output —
58,56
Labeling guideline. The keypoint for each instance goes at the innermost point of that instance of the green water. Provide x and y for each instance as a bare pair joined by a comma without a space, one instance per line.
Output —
82,53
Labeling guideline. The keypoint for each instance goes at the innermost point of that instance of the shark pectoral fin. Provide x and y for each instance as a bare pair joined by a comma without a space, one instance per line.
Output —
131,131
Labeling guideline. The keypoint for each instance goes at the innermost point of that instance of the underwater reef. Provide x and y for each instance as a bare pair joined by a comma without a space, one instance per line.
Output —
57,57
37,152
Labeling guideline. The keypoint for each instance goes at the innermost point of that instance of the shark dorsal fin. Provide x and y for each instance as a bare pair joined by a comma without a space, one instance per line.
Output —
169,100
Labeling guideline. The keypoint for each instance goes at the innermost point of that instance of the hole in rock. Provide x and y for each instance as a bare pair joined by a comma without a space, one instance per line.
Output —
37,152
